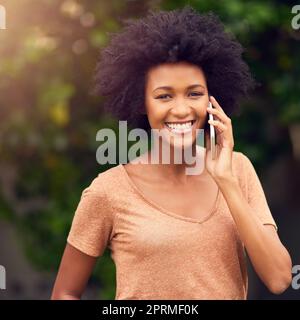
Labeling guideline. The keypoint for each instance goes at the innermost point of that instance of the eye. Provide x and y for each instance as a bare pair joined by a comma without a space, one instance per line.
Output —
196,94
163,96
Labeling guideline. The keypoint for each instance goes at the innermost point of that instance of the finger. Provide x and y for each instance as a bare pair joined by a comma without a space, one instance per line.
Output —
219,108
218,124
215,103
220,115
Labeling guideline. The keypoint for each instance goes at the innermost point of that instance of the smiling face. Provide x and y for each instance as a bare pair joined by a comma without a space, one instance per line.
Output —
176,98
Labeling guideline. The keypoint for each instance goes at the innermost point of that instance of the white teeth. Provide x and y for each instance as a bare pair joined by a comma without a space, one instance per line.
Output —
178,126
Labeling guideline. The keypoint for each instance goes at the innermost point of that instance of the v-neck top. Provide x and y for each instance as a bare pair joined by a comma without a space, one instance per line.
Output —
166,211
160,254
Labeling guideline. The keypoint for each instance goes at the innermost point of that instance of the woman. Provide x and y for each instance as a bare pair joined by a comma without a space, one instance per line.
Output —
174,235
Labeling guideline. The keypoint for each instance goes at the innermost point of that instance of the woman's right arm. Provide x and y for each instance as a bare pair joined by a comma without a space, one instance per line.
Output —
74,272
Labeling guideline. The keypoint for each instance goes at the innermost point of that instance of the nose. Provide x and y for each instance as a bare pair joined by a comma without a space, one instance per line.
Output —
181,109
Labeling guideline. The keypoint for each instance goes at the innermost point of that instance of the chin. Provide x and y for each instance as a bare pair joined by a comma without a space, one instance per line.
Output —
180,143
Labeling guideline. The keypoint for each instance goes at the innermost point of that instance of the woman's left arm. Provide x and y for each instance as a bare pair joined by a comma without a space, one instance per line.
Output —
269,257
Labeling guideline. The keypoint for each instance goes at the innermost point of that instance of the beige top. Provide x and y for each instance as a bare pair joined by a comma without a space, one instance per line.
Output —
162,255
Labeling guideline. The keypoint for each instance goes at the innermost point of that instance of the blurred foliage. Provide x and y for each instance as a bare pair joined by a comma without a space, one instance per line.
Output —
49,120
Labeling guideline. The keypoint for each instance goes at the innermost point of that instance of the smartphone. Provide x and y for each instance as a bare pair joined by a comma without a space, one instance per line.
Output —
212,135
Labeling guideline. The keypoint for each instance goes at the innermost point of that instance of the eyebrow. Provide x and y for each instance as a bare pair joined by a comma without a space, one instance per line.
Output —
170,88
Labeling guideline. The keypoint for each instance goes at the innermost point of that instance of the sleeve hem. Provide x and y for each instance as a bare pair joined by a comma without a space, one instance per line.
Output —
83,247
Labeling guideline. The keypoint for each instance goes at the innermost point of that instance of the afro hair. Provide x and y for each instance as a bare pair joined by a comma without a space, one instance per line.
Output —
169,36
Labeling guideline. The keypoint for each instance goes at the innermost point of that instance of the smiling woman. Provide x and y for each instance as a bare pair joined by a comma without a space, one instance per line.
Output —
170,233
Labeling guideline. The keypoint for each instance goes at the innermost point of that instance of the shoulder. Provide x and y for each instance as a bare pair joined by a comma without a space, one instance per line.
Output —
106,184
100,194
240,160
106,178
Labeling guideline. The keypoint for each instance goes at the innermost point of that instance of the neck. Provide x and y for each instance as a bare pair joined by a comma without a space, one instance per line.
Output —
173,169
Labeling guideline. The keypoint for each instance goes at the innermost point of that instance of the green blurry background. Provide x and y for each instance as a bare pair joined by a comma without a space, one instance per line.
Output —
49,122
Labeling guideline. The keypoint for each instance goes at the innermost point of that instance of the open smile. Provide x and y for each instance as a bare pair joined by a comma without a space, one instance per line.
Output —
180,127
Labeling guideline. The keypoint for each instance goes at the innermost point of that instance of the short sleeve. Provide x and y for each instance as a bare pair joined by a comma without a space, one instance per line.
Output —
92,225
255,193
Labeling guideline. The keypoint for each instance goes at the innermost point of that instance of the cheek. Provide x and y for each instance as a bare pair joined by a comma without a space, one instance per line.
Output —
156,119
202,112
200,107
155,112
202,115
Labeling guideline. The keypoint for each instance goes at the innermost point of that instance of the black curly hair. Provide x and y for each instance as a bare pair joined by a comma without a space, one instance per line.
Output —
163,37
